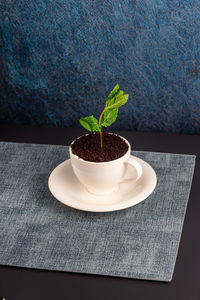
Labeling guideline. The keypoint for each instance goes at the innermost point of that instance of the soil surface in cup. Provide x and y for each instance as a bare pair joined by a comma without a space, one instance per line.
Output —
88,147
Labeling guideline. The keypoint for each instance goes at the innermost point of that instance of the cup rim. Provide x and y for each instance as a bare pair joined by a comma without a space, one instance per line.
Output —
104,162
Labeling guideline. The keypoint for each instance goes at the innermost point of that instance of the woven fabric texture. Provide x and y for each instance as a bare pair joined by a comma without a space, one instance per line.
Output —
60,59
37,231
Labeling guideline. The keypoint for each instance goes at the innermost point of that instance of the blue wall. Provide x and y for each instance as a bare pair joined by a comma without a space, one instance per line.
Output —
60,59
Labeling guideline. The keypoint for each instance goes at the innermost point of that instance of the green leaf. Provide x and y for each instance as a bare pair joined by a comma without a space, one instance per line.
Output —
109,117
113,92
119,100
109,102
90,123
120,93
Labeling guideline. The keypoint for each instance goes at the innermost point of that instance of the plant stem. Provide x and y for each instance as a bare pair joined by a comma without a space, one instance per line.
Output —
101,116
100,132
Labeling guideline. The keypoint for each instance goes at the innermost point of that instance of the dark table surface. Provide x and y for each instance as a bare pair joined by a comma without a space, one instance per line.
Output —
29,284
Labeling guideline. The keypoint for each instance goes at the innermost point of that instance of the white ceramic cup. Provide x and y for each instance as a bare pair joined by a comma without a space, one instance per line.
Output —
101,178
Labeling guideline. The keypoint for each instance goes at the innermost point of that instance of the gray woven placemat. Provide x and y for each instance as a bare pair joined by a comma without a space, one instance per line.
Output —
37,231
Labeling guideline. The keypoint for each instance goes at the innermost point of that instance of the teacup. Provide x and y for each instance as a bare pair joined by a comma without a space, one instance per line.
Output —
102,178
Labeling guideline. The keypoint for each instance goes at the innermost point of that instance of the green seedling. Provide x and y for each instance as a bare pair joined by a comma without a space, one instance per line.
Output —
108,116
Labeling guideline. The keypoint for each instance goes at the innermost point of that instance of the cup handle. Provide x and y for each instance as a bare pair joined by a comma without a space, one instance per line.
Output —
136,165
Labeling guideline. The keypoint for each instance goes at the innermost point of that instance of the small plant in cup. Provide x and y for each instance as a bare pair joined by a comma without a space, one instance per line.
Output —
109,114
101,172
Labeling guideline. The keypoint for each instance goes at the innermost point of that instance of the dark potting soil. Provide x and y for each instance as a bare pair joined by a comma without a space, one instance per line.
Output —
88,147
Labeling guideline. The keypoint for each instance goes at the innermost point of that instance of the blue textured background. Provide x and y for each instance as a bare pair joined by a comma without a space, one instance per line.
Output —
61,58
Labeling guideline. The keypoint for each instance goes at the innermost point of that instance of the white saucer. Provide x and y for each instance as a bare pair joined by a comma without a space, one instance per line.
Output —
66,188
